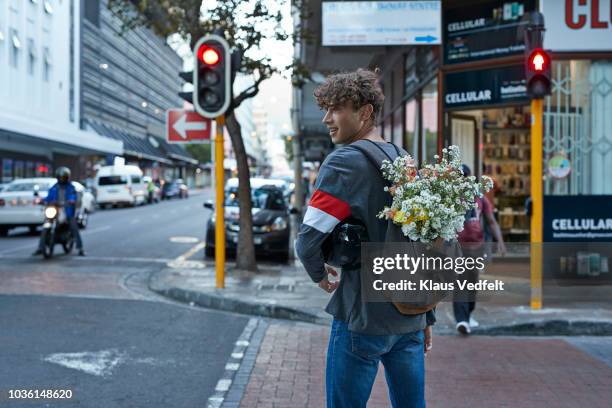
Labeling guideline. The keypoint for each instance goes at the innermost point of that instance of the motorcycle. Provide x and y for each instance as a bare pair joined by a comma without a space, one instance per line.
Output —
56,230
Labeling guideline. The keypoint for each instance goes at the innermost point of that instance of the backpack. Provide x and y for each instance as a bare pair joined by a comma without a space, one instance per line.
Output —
376,155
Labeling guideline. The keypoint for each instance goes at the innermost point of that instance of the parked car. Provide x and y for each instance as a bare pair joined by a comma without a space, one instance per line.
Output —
174,189
120,185
86,204
270,218
2,187
20,203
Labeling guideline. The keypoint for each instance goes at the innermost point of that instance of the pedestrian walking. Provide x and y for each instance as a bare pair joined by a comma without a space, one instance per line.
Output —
350,191
473,239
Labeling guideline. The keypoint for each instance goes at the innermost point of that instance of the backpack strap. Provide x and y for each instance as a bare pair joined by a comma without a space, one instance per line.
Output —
375,156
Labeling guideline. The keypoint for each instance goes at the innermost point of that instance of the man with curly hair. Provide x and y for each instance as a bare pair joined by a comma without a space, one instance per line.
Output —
349,190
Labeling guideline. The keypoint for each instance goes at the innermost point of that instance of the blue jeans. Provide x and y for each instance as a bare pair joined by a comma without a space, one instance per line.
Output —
352,364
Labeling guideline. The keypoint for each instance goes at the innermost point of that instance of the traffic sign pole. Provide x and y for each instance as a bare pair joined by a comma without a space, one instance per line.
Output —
536,203
220,211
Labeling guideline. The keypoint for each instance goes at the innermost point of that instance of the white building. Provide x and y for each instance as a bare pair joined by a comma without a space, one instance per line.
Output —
39,90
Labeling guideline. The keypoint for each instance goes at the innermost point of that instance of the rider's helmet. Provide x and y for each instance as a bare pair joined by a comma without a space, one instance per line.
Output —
63,175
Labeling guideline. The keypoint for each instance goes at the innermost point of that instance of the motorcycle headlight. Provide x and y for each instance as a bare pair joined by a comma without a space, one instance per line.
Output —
279,224
50,212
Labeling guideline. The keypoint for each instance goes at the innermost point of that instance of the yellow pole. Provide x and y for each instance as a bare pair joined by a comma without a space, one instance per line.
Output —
536,203
220,213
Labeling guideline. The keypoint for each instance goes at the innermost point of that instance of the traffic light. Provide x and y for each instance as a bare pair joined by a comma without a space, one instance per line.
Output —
212,91
537,72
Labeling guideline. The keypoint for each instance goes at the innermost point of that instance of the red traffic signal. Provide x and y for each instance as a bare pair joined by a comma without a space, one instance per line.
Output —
212,76
539,60
208,55
538,73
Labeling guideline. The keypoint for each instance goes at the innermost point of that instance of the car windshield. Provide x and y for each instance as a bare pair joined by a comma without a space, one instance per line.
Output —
264,198
112,180
21,187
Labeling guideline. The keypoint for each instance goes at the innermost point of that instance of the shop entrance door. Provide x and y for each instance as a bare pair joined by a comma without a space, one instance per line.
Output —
464,134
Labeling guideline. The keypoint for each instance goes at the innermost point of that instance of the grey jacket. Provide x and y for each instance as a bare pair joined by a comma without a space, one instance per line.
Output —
348,185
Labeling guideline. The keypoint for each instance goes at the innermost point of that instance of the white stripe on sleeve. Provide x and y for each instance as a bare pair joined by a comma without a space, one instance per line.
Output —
320,220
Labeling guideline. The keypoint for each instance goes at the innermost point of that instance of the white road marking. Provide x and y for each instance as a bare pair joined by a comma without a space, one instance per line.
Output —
99,363
223,385
184,240
232,366
183,262
237,356
243,343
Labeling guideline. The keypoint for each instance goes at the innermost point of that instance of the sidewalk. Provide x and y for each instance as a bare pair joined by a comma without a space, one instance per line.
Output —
286,292
289,372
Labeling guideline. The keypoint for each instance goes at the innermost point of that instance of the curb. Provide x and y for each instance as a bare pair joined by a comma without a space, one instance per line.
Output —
553,327
237,306
549,328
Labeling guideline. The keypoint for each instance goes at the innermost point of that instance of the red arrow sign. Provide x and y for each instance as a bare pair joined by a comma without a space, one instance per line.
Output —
187,127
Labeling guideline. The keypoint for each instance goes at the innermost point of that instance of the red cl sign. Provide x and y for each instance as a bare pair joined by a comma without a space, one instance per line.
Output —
577,25
187,127
577,19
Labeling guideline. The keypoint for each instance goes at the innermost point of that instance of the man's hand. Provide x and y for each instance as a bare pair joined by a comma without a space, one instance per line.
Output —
428,344
325,284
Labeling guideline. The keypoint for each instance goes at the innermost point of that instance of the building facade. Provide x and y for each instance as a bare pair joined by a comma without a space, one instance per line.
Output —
471,91
39,92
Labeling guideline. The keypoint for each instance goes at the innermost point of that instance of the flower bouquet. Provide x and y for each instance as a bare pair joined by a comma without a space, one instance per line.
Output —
431,203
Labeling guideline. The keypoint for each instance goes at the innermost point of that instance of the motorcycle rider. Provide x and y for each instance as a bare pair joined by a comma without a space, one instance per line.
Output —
64,195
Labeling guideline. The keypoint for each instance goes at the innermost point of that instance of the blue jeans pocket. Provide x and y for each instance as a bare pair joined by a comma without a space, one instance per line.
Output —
371,346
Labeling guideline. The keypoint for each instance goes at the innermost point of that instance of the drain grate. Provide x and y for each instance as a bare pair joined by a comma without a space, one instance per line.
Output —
279,287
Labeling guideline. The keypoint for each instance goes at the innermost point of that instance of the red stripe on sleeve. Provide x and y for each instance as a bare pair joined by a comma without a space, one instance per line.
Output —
330,204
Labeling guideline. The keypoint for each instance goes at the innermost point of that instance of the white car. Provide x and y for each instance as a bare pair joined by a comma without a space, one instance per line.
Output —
120,185
20,203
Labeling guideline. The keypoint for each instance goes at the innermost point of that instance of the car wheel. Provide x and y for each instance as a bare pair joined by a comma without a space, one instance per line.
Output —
284,257
33,230
209,252
4,232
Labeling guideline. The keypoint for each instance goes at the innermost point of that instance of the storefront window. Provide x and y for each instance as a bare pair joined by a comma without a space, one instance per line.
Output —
7,170
430,120
19,169
577,123
397,126
387,128
412,117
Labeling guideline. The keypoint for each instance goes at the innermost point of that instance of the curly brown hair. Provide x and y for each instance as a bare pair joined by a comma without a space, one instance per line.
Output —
359,87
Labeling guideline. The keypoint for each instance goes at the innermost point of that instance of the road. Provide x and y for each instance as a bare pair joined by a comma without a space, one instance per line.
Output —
91,326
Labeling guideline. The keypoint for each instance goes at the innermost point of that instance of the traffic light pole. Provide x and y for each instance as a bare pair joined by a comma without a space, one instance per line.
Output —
536,203
220,211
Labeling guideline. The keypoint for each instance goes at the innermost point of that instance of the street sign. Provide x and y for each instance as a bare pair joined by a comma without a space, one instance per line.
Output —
354,23
484,31
184,126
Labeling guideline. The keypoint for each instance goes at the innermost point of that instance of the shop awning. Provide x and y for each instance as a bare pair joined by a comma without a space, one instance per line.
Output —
133,145
177,152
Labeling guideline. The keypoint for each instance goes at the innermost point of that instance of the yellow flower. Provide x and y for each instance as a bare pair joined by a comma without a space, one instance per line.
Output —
422,217
399,216
409,220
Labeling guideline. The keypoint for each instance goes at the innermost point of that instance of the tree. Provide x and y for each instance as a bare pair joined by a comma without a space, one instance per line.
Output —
201,152
247,25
